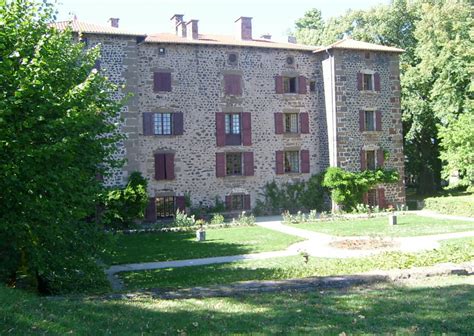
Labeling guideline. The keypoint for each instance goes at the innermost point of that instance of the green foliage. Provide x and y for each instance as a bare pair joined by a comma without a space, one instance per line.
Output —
183,220
217,219
54,112
244,219
294,196
125,205
452,205
347,188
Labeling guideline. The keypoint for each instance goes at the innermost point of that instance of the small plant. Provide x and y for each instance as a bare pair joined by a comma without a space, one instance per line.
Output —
217,219
200,223
183,220
313,216
305,256
244,219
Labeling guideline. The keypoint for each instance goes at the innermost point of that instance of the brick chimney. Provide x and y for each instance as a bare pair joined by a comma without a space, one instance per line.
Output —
243,28
181,29
114,22
192,29
175,21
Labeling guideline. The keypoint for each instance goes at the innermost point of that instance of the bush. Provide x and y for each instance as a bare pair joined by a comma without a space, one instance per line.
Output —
244,220
452,205
217,219
183,220
124,206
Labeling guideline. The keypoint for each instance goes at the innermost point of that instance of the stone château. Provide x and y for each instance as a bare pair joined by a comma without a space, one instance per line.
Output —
218,117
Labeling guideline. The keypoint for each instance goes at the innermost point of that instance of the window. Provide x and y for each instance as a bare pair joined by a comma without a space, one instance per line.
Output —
292,162
233,164
233,84
371,160
289,85
237,202
367,83
312,86
372,197
290,60
162,123
369,120
165,207
161,51
232,58
164,166
291,122
162,81
232,123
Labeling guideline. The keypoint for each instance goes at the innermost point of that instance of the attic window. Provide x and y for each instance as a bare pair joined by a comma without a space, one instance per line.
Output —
161,51
290,60
232,58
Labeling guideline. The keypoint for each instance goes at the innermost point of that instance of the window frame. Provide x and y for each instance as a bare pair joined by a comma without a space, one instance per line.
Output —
231,168
291,119
287,84
289,161
372,197
237,199
160,116
229,124
368,153
372,118
370,83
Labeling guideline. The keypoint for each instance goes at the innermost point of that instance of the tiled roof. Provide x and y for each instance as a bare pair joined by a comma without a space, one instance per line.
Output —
349,43
226,40
84,27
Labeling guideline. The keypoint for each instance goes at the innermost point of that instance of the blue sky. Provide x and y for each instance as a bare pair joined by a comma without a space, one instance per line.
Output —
215,17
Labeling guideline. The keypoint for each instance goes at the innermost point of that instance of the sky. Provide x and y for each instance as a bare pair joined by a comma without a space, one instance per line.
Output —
215,17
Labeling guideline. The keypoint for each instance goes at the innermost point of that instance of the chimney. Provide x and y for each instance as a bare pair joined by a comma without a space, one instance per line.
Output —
266,36
192,29
181,29
114,22
175,21
243,28
291,39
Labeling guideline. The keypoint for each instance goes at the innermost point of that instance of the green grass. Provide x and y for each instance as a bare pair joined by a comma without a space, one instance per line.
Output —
147,247
456,250
407,226
435,306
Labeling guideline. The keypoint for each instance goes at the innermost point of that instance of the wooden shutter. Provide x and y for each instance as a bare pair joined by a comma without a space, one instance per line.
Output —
220,129
233,85
246,202
162,81
160,166
365,198
304,155
359,81
376,81
180,203
248,164
380,158
302,84
178,126
228,202
378,120
169,158
148,123
278,123
278,84
381,197
280,159
220,164
304,123
150,211
246,129
363,160
361,120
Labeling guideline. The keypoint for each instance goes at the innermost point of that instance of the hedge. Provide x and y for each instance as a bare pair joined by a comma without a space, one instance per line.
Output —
452,205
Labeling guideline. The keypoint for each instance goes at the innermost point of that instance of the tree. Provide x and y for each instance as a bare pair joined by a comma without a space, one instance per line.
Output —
54,114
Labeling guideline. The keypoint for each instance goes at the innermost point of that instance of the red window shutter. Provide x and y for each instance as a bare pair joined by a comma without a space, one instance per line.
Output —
378,120
248,164
220,129
304,154
233,85
365,198
278,84
361,120
162,81
169,166
246,129
160,168
380,158
228,202
247,202
220,164
178,126
150,211
148,128
363,160
180,203
359,81
302,84
278,123
304,123
376,81
381,197
280,160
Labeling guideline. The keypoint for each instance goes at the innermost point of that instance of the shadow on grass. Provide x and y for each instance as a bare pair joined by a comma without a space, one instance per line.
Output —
387,310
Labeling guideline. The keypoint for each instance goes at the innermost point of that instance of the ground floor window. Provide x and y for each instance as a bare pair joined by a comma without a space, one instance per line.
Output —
165,206
372,197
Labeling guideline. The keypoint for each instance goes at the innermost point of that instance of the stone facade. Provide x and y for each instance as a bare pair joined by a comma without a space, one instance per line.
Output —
331,99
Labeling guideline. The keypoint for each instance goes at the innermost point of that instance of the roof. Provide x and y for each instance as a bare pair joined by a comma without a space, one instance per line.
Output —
349,43
226,40
84,27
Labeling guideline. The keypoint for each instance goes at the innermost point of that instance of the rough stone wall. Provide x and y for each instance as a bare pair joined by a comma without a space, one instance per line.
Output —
349,100
198,92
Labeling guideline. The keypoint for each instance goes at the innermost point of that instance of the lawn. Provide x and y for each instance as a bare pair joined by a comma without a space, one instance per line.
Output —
434,306
456,250
407,226
147,247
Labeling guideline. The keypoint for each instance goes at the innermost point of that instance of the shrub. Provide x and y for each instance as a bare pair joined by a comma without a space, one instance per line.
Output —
452,205
244,220
183,220
217,219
